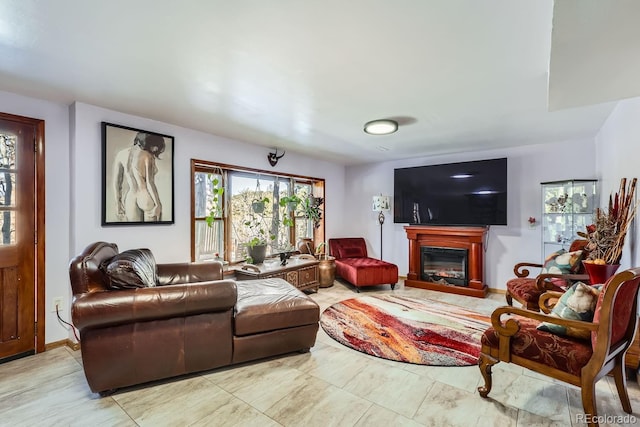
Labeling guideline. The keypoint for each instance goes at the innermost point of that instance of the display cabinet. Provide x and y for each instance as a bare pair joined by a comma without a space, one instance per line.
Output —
567,207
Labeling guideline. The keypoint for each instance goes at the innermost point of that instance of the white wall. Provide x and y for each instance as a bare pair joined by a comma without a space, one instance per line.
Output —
57,254
618,151
171,243
507,245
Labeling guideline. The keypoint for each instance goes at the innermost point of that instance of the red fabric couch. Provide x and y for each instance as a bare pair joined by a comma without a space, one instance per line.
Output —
354,266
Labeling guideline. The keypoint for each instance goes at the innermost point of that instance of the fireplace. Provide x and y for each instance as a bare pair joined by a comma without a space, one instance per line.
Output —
446,266
458,253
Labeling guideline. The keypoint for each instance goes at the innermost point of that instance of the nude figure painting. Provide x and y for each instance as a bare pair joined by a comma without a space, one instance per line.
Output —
137,176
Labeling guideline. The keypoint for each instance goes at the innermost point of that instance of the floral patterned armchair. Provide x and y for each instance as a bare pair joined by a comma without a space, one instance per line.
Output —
581,362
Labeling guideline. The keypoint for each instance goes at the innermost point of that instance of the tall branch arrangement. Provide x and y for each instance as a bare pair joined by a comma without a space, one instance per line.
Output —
606,235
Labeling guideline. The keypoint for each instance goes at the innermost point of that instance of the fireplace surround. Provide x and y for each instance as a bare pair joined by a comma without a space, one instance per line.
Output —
455,241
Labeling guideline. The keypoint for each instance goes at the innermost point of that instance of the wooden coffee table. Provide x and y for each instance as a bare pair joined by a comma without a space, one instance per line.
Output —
300,272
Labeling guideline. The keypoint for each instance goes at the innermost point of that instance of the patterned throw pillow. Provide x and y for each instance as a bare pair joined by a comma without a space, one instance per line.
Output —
135,268
578,303
563,262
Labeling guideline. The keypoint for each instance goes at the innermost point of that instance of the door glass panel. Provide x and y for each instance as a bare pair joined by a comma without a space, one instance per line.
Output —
7,228
7,152
7,189
7,170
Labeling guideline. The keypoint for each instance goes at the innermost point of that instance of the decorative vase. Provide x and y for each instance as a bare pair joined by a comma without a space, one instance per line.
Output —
600,273
305,245
326,271
257,253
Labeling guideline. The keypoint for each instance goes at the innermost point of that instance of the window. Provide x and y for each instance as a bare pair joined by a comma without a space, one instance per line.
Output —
232,206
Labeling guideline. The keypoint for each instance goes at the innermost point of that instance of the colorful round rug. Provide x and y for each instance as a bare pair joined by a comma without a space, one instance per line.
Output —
411,330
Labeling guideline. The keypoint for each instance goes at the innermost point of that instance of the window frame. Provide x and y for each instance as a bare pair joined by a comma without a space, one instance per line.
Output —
205,166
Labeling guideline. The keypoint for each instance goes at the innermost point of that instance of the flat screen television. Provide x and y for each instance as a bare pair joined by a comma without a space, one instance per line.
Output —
467,193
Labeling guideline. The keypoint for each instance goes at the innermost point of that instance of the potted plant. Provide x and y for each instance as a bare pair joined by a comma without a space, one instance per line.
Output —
311,210
320,251
291,204
260,238
259,231
607,234
258,205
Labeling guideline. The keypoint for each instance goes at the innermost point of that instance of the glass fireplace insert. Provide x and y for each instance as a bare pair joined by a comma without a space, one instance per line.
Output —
446,266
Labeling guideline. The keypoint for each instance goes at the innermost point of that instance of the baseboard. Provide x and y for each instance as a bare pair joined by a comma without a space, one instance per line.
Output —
71,344
489,290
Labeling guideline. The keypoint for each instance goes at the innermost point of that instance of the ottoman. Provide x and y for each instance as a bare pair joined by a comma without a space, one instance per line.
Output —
272,317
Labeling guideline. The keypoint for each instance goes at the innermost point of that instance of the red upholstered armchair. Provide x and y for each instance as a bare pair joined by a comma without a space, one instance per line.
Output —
354,266
527,289
515,338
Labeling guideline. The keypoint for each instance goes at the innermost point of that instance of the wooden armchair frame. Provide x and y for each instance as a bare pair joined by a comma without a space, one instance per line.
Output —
540,282
607,357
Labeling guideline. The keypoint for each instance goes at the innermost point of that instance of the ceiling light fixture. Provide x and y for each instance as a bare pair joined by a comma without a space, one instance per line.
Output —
381,127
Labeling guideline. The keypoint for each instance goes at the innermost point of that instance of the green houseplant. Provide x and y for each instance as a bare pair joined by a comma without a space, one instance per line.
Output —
291,203
259,235
257,245
217,193
311,210
258,205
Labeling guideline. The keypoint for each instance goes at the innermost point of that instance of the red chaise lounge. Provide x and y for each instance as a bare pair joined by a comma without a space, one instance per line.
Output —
354,266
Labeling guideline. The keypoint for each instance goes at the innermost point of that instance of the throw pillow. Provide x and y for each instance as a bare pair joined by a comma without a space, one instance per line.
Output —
563,262
352,252
578,303
135,268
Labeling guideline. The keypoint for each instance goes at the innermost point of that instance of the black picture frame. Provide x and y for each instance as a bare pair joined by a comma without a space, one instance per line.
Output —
130,157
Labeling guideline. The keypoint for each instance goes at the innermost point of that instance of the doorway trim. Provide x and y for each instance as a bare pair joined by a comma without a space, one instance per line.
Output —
39,213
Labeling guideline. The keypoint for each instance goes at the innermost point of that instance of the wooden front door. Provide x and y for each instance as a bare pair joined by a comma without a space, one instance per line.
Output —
18,237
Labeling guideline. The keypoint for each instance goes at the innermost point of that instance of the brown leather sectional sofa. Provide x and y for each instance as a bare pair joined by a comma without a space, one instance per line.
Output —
190,321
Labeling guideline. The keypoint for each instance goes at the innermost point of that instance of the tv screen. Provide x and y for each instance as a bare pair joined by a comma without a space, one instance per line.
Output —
468,193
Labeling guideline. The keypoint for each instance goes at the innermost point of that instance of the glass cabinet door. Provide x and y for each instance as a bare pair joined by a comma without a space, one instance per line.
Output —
567,207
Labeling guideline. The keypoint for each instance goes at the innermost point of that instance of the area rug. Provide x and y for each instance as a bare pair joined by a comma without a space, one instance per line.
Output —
404,329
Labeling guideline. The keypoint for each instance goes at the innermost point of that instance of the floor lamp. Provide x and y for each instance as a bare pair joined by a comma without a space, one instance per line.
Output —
380,204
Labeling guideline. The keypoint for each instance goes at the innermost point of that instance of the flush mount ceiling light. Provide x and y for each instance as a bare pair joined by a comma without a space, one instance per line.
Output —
381,127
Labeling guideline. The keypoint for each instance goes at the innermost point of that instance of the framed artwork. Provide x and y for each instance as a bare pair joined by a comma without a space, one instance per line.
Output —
137,176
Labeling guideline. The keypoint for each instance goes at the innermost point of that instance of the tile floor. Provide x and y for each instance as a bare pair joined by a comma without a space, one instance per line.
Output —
330,386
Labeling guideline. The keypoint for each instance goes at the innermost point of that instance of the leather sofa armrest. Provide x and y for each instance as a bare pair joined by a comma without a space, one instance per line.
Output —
117,307
189,272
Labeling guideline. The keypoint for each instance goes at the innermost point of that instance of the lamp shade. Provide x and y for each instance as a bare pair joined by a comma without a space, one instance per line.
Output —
380,203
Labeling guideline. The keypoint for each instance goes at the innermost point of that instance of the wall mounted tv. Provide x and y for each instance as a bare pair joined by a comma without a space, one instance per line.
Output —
468,193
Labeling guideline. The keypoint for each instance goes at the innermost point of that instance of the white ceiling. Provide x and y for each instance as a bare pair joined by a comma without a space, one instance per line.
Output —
306,75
